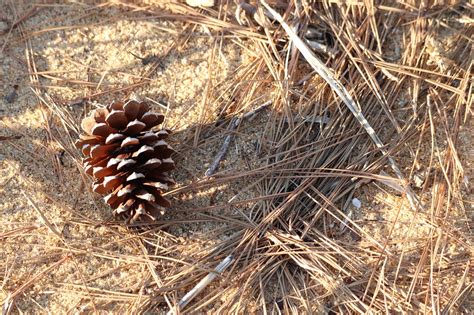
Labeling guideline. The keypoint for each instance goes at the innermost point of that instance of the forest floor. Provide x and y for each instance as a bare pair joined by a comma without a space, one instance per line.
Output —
314,217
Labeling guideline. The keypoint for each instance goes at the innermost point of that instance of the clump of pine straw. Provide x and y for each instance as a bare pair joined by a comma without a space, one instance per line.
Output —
290,252
297,246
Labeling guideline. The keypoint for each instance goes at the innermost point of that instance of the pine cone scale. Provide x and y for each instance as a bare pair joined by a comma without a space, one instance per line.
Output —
134,127
102,130
114,137
117,119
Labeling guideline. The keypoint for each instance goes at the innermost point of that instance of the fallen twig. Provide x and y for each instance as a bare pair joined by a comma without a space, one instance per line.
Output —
225,146
203,283
4,138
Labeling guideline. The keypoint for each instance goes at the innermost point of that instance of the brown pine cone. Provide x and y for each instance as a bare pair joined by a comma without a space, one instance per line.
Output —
127,159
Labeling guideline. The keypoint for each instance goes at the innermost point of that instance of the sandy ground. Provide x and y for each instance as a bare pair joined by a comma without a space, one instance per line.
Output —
38,174
53,245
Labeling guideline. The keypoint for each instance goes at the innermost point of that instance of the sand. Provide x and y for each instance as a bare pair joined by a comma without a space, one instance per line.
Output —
59,254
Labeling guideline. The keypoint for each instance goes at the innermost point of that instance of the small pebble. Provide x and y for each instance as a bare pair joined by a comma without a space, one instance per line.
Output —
356,203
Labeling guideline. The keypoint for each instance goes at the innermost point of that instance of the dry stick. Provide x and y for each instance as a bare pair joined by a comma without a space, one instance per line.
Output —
225,146
203,283
6,138
342,92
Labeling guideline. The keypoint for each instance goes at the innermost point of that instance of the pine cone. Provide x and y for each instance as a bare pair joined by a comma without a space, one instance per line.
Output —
127,159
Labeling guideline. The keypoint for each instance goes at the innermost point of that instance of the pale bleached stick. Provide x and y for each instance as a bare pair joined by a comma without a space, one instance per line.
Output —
203,283
342,92
225,146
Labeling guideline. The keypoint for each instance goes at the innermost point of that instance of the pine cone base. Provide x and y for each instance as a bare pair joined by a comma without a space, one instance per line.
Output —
127,159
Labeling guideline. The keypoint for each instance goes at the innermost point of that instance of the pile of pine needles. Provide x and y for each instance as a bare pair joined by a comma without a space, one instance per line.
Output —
353,98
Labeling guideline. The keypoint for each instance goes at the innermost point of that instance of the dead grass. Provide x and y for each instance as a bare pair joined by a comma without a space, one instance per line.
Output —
378,113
